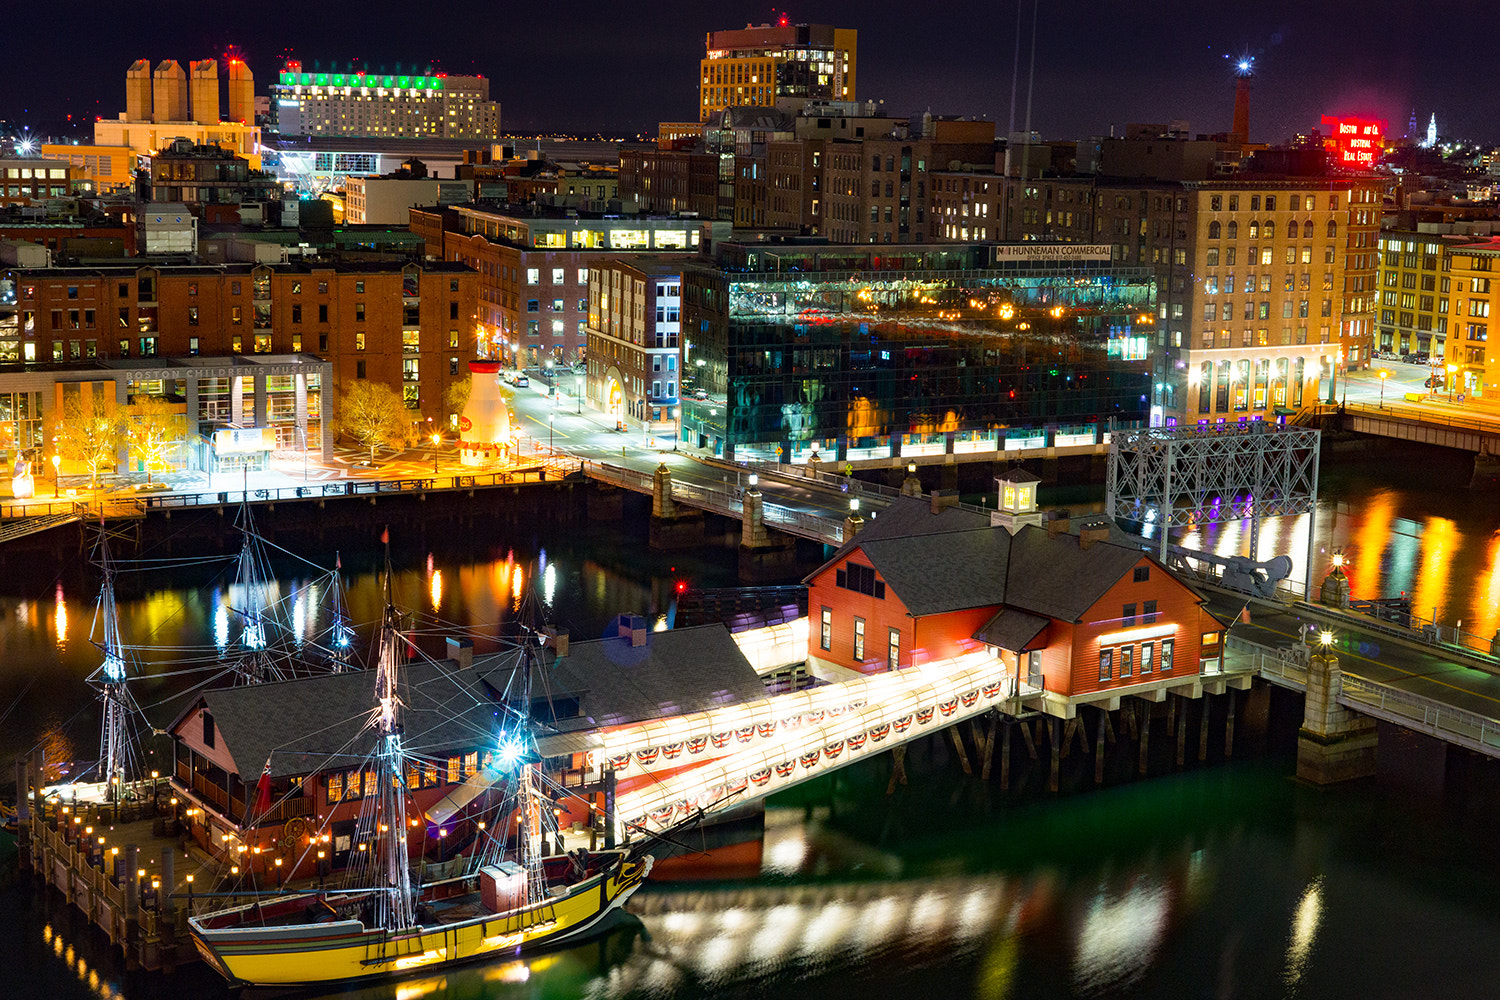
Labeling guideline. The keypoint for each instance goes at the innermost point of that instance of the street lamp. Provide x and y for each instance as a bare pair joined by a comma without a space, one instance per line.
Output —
1383,376
437,439
56,473
1452,371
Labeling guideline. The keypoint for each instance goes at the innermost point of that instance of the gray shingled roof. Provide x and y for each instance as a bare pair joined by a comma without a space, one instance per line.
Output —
315,723
907,516
1059,578
945,572
676,671
1011,629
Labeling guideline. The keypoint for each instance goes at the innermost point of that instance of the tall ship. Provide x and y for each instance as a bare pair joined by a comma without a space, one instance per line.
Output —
383,918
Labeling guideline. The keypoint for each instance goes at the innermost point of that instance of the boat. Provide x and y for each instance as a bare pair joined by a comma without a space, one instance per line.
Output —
513,902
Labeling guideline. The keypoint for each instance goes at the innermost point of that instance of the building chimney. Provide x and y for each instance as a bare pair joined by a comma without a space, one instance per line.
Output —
138,91
1240,132
558,639
461,651
943,499
1092,531
1059,524
204,75
632,628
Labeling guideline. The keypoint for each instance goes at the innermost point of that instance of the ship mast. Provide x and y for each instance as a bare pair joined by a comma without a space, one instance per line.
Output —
532,816
115,751
397,909
255,663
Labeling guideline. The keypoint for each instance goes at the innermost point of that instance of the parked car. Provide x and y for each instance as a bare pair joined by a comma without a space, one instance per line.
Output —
519,380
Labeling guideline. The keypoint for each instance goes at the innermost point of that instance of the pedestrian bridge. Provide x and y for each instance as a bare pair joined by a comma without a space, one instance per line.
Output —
669,768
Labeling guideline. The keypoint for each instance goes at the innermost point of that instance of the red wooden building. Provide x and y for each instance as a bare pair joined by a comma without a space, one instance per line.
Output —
1077,611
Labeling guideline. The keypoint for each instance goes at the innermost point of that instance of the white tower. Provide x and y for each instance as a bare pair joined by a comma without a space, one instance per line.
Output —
1431,131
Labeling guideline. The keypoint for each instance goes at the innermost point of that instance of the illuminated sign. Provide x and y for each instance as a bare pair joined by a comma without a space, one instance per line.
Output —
244,440
1054,251
1354,142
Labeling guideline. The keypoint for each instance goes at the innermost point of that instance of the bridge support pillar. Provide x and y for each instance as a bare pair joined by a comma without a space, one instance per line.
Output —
763,556
1486,471
1334,744
672,527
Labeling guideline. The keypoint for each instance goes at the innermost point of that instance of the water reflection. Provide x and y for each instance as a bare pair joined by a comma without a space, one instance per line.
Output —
1304,933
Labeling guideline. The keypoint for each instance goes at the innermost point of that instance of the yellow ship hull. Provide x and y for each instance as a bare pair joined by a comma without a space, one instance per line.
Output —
342,950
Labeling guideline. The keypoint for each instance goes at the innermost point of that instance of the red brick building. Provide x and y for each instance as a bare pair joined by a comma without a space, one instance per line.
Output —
1077,616
411,326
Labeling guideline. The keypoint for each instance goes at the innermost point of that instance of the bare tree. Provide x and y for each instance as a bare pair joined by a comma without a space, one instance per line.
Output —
154,428
374,414
90,434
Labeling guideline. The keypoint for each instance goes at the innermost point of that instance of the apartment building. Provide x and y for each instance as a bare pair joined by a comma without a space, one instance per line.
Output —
410,327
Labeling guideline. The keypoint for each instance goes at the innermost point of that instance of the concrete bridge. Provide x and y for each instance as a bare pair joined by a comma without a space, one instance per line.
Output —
1439,425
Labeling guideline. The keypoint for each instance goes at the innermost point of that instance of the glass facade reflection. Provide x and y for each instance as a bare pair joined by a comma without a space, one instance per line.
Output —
875,352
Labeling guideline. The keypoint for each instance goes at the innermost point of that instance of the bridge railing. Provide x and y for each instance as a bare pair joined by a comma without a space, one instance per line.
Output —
1421,630
724,501
1393,704
834,481
1417,414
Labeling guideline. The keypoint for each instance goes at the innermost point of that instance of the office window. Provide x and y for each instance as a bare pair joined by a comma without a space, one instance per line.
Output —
533,305
859,638
359,288
297,313
322,288
359,341
533,276
192,345
825,629
1166,656
359,368
359,312
1106,664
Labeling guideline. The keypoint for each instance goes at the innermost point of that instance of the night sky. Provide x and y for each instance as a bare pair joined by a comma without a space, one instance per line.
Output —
586,65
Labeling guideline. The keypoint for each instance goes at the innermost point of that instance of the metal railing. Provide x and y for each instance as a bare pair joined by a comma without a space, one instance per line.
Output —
725,501
1441,637
1286,667
801,474
1418,415
1444,722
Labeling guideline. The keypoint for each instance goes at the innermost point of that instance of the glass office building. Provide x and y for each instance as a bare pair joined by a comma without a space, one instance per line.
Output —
877,352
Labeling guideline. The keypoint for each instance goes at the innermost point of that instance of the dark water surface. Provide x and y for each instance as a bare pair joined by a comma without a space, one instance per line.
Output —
1225,879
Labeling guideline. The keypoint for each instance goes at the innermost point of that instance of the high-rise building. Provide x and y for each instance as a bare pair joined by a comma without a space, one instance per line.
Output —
386,106
776,64
875,353
1471,370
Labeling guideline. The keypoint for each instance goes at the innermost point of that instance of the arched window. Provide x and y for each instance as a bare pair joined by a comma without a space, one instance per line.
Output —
1333,229
1268,230
1234,230
1213,230
1254,229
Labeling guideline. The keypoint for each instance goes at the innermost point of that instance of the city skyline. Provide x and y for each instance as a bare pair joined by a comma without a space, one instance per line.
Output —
1096,67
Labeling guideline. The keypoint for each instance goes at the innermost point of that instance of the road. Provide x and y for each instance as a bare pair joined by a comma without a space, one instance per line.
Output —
559,423
1378,658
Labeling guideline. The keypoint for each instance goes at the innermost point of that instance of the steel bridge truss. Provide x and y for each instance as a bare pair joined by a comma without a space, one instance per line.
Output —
1181,476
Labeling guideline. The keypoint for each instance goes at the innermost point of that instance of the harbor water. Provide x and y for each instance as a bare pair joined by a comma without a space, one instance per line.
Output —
1221,879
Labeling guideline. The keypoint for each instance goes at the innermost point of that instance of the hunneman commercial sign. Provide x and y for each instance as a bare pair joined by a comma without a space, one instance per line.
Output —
1054,251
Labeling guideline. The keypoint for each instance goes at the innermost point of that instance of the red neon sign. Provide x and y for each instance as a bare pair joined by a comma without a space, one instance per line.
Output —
1354,142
